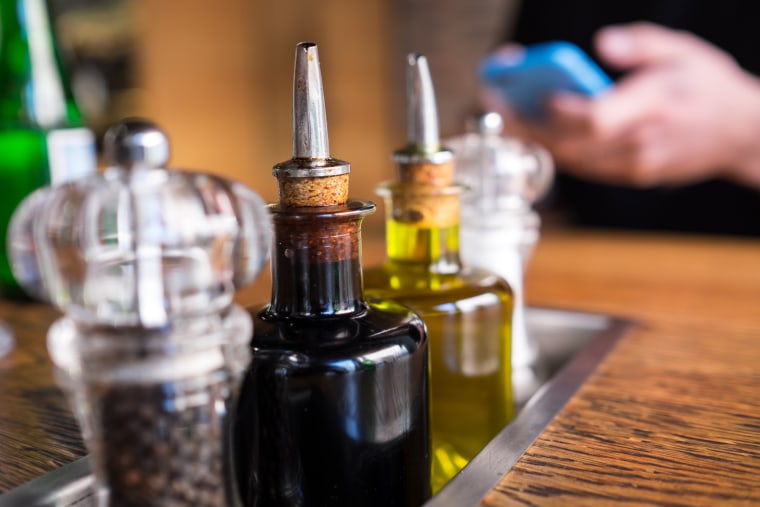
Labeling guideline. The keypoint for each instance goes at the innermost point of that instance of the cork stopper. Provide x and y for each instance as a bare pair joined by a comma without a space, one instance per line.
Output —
425,194
422,160
311,178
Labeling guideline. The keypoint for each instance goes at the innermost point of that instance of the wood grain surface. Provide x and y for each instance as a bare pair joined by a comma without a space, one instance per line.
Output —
671,417
37,431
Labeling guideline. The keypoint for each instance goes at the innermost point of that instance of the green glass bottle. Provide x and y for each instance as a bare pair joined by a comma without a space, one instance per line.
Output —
467,311
42,137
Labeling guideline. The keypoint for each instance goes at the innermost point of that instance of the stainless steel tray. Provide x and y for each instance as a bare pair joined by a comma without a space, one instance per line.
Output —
571,343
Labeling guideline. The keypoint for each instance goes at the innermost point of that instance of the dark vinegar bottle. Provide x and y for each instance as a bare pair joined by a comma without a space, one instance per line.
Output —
334,406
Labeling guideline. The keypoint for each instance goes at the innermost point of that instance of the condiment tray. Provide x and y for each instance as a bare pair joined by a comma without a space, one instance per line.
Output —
571,343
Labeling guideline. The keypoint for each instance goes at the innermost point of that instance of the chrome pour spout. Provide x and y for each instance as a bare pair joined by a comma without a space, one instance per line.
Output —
311,145
423,141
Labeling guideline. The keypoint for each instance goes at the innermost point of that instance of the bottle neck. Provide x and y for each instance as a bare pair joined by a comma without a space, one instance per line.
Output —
422,227
34,88
316,260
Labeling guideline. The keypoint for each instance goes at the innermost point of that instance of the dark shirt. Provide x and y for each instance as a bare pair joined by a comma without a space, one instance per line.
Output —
716,206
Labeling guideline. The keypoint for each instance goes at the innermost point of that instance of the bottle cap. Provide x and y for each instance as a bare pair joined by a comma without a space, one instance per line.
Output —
140,244
136,142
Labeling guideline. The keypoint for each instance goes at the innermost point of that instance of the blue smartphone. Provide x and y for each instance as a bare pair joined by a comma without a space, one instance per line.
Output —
527,76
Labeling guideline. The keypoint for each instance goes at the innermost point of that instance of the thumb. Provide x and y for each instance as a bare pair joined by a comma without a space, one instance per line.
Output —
641,44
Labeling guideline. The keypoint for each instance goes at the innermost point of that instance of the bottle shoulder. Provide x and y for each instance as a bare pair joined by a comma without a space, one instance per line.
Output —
384,330
387,282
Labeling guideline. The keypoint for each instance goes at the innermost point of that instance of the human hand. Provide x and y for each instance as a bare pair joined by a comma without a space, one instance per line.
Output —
685,113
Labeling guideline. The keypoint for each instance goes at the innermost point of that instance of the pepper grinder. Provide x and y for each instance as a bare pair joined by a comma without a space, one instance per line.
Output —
499,227
144,261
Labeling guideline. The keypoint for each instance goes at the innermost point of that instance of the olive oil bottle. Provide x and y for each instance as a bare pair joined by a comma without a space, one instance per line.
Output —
467,311
334,406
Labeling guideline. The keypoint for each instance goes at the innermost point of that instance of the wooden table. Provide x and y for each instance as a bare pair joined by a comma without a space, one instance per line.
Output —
672,415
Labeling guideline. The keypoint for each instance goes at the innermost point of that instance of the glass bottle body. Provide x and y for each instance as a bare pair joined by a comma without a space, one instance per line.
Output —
468,316
334,406
42,138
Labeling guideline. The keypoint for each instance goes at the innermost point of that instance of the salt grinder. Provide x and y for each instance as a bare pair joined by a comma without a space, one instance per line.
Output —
144,261
499,227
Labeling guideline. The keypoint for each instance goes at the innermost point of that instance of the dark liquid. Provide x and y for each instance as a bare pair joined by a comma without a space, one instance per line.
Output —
333,410
312,289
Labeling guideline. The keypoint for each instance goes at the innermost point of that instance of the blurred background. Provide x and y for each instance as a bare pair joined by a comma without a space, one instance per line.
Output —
218,75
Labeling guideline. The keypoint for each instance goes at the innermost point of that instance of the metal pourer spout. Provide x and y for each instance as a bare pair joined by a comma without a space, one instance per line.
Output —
422,115
310,140
311,177
423,148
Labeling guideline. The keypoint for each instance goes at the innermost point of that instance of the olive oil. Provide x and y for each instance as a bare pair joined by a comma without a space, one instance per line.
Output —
467,313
